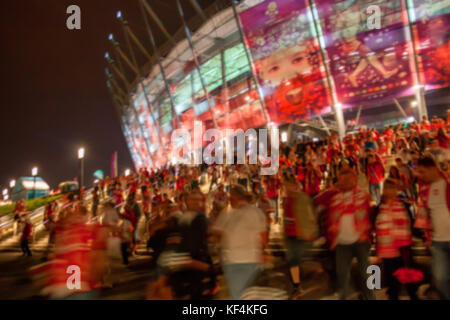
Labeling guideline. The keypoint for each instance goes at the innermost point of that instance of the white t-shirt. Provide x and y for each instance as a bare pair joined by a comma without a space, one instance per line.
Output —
241,240
440,215
347,232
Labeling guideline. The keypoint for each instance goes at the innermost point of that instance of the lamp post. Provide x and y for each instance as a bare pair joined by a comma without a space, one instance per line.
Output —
81,158
34,173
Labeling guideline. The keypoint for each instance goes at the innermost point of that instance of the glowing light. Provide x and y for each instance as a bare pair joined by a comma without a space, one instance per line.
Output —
284,136
414,104
81,153
111,37
127,172
119,14
107,55
5,192
12,184
34,171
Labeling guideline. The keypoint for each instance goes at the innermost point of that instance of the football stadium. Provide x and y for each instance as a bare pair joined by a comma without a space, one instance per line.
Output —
308,67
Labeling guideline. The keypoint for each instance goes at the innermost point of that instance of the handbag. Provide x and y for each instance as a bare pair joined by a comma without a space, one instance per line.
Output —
408,274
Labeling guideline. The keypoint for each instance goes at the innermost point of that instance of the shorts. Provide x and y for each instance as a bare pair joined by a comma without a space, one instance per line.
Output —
296,249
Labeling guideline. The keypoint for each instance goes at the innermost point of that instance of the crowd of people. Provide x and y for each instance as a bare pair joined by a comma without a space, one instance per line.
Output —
383,189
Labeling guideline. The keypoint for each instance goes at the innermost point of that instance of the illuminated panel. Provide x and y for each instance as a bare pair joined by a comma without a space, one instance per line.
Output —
287,59
367,64
431,20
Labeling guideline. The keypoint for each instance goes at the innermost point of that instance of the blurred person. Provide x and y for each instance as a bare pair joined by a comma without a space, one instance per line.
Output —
126,229
242,235
273,185
440,154
27,230
300,228
434,216
134,212
95,200
443,138
313,178
348,231
375,174
146,202
392,221
50,225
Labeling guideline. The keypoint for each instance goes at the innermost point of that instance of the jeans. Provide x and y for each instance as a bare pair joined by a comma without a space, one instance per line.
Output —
25,247
124,249
239,277
375,191
296,249
440,267
344,257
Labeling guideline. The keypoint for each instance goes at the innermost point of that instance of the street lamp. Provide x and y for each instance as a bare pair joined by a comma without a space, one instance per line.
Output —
34,173
81,153
127,172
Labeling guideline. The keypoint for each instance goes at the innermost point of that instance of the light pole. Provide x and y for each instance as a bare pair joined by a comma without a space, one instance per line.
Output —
34,173
81,158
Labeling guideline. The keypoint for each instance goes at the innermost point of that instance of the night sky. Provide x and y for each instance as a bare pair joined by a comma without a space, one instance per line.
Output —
54,97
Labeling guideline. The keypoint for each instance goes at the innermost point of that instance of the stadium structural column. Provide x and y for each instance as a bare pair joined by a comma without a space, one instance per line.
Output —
127,31
196,62
224,79
419,88
158,22
119,90
250,63
336,106
158,60
130,33
124,79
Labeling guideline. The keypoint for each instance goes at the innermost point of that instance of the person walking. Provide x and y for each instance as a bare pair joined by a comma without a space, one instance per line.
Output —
394,238
242,234
348,232
25,237
433,215
300,228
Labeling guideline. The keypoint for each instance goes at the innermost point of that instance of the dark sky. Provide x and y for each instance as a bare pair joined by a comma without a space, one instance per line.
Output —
53,93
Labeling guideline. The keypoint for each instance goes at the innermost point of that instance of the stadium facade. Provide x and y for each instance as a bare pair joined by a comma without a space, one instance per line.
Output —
284,62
